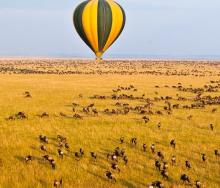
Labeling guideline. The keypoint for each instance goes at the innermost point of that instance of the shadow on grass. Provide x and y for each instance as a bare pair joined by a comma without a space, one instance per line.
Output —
34,158
19,158
127,184
97,176
100,165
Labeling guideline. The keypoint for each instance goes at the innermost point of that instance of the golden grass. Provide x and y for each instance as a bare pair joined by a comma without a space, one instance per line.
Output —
55,93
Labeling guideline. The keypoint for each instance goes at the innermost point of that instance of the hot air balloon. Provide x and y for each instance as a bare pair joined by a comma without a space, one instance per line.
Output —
99,23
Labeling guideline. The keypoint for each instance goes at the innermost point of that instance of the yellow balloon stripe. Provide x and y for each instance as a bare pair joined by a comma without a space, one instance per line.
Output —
117,21
89,20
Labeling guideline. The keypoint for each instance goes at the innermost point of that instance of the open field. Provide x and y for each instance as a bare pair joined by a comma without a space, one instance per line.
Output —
130,100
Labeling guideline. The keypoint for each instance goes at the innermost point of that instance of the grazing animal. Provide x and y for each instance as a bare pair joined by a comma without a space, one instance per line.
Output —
164,173
114,157
173,143
91,105
67,146
188,165
93,155
21,115
28,158
60,153
75,104
115,167
159,125
184,178
165,165
46,157
58,183
119,152
204,157
152,147
211,127
198,184
122,139
146,119
43,139
81,151
44,114
77,155
214,110
173,160
61,138
110,176
157,165
51,160
125,159
160,155
62,114
60,144
144,147
217,154
134,141
95,112
43,148
157,184
27,94
53,163
77,116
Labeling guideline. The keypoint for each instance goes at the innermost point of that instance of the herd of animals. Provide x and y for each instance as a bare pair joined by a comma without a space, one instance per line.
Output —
119,153
121,67
202,97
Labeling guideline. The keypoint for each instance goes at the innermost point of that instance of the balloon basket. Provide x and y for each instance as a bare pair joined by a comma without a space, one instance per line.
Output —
98,60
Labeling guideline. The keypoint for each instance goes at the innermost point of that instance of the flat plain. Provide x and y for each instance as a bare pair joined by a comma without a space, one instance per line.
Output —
101,106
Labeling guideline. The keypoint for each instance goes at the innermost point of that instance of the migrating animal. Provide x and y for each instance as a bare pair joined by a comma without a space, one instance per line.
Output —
173,143
164,174
43,139
152,147
115,167
93,155
125,159
160,155
58,183
198,184
184,178
159,125
43,148
204,157
110,176
134,141
28,158
156,184
211,127
122,139
188,165
173,160
157,165
60,153
144,147
217,153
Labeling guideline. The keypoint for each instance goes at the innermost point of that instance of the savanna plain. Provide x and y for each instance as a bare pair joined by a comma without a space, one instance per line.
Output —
121,123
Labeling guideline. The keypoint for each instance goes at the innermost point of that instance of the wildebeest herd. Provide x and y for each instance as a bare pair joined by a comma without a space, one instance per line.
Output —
148,145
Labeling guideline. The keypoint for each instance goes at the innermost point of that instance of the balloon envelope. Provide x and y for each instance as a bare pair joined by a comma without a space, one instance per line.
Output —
99,23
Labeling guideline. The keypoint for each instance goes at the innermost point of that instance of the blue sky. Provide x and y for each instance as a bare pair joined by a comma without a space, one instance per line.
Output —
154,28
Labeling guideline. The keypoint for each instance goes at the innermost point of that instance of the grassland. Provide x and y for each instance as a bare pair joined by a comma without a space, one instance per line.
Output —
54,92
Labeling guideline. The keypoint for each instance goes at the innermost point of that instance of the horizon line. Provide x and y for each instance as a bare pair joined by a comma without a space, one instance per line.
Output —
108,59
